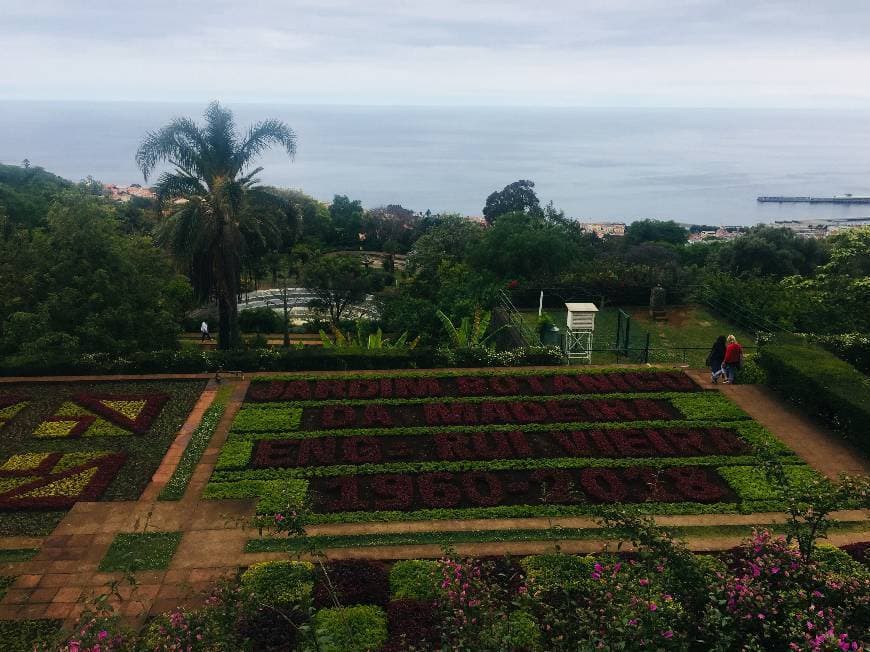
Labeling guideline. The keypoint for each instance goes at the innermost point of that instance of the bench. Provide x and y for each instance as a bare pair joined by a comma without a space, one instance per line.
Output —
218,376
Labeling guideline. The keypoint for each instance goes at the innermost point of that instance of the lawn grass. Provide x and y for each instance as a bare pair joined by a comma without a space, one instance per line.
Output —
141,551
687,327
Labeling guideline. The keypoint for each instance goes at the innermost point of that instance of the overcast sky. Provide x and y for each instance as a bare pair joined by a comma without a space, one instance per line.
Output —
528,52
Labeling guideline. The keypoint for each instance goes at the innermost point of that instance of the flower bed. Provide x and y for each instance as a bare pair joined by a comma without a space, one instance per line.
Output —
408,446
65,442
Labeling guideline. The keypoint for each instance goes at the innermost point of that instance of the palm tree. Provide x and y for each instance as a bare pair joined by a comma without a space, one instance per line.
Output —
211,192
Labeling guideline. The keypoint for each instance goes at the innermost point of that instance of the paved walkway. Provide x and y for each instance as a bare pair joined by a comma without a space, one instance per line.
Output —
64,573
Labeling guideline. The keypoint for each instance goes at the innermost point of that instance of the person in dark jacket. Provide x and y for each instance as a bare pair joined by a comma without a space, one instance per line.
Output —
715,359
733,358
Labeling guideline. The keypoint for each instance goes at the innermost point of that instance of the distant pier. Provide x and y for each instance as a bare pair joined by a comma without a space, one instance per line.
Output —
837,199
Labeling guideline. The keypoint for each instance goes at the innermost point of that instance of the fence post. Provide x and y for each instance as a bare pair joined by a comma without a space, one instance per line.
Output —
646,350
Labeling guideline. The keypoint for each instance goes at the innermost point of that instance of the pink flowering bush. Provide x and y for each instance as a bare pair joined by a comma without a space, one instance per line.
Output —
774,598
483,605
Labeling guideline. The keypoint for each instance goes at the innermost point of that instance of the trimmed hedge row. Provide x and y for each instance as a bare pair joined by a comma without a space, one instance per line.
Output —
854,348
292,359
824,385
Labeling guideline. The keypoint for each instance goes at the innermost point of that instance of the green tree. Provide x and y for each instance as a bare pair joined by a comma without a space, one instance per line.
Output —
83,286
347,218
771,251
655,231
527,246
518,196
213,175
337,282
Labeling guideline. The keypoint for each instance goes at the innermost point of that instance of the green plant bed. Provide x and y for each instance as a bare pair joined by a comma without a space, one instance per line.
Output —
36,524
17,554
5,582
28,635
554,534
141,551
199,440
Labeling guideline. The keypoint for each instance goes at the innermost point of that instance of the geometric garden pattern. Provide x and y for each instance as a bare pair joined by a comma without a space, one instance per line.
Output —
99,415
56,480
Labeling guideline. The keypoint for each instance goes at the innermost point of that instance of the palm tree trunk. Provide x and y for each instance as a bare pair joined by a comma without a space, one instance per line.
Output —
228,314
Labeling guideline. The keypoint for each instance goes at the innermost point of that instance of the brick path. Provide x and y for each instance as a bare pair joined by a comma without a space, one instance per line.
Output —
64,573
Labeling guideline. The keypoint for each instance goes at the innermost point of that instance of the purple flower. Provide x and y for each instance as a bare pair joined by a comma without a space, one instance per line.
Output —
653,606
668,633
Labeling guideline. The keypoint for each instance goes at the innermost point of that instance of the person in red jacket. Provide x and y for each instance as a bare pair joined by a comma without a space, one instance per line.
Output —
733,359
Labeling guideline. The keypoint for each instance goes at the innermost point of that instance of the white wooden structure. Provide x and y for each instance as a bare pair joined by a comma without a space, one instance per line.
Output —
581,326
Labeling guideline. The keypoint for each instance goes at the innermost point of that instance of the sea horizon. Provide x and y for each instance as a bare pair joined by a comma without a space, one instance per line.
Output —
692,165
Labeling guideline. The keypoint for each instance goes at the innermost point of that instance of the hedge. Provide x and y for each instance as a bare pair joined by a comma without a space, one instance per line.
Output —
823,385
291,359
854,348
416,578
280,583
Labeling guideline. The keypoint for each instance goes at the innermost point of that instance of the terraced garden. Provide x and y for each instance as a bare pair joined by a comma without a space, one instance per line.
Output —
424,446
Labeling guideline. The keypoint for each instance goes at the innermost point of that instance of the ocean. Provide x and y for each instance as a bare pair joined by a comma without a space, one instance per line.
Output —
702,166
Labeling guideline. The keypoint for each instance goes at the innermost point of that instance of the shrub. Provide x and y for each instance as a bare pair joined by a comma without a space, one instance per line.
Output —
833,560
260,320
414,578
555,572
362,628
351,582
519,631
823,385
280,583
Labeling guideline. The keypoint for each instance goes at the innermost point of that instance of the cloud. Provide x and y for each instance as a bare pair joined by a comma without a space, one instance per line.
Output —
620,52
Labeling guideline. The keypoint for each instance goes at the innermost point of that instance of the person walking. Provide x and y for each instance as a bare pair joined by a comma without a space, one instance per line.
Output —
715,359
204,330
733,359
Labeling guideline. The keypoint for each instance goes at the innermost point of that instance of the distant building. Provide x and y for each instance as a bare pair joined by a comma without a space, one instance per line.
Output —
125,193
602,229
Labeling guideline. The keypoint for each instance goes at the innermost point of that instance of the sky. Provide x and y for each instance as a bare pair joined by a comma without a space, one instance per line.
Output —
681,53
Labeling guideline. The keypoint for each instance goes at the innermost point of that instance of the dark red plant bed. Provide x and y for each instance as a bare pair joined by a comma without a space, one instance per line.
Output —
442,490
411,623
353,581
494,385
376,415
451,446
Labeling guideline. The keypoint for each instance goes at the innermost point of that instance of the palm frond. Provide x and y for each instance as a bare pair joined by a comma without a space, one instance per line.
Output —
260,137
180,142
178,184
